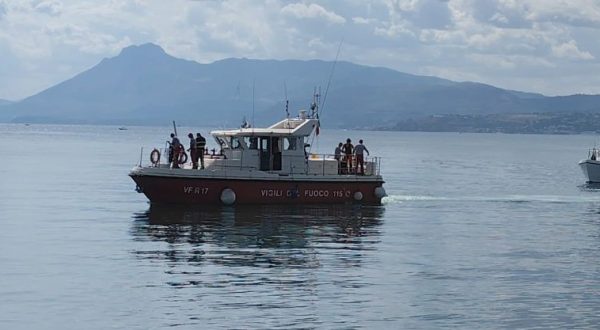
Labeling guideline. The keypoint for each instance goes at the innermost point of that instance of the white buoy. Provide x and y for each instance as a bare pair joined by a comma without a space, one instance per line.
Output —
380,192
228,196
358,196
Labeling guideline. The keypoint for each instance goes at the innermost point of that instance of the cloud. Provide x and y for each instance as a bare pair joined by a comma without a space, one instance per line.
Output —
434,14
499,13
219,29
2,9
492,41
392,30
525,13
360,20
52,8
300,10
583,13
570,50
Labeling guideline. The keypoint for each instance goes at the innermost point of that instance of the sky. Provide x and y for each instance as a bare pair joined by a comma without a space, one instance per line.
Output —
544,46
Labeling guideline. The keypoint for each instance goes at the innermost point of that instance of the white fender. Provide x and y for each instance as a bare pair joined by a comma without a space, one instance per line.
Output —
358,196
228,196
380,192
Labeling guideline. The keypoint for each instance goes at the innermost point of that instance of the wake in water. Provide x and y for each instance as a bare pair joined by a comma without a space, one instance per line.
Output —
396,199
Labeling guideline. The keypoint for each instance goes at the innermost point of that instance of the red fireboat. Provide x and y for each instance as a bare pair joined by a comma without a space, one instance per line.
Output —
271,165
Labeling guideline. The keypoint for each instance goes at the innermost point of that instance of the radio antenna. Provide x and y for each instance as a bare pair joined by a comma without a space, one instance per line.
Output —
253,88
287,102
337,55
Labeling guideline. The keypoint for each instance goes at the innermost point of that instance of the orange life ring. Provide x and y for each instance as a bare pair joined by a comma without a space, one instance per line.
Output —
155,156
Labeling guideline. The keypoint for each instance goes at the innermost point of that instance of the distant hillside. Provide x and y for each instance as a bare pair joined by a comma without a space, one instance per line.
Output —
538,123
144,85
5,113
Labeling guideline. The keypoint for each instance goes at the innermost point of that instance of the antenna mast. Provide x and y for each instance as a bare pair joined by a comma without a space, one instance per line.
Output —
316,108
253,87
331,73
287,102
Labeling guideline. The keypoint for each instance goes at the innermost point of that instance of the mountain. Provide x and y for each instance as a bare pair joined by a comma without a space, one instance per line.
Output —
145,85
524,123
5,113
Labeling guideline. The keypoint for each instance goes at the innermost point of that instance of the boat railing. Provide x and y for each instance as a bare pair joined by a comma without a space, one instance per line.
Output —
315,164
372,165
223,162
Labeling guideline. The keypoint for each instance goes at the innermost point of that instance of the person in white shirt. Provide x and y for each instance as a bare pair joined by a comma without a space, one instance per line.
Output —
359,151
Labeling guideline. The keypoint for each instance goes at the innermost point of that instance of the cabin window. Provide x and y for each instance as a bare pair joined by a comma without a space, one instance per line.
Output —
222,143
251,142
263,143
235,143
289,143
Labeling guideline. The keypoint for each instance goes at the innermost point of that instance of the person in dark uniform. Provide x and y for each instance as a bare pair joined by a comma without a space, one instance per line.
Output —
174,151
200,145
337,154
171,148
193,151
348,149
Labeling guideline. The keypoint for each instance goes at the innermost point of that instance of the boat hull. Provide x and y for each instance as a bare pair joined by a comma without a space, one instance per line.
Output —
197,190
591,170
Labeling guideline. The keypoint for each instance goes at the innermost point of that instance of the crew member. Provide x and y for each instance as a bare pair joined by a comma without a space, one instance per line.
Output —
174,151
359,151
338,156
348,148
193,151
200,145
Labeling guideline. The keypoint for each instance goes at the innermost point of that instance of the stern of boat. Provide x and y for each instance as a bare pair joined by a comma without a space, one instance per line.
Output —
591,170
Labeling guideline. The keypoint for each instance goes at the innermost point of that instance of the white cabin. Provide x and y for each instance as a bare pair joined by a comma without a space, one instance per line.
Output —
281,148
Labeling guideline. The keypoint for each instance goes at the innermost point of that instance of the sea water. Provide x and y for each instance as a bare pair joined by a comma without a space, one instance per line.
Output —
479,231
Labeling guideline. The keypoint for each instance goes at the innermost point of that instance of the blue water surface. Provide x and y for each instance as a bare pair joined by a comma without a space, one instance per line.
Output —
479,231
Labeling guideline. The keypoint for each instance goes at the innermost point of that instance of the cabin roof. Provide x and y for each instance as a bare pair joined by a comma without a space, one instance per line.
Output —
254,132
286,127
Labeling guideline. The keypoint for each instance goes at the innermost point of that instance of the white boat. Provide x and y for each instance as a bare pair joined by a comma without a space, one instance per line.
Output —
591,166
271,165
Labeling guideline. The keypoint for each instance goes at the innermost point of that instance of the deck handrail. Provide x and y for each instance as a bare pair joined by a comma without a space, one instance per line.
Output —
226,162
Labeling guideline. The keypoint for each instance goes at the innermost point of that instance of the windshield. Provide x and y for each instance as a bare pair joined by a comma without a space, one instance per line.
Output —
221,142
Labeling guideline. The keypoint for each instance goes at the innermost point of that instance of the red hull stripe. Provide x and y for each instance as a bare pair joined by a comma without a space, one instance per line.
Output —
203,191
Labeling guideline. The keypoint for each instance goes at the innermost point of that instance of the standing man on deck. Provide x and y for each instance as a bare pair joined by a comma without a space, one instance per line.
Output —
337,154
200,145
193,151
171,148
348,148
360,159
174,150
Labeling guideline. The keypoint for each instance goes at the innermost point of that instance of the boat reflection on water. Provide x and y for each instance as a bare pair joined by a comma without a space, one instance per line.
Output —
257,236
